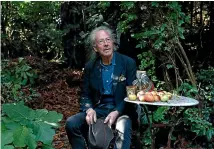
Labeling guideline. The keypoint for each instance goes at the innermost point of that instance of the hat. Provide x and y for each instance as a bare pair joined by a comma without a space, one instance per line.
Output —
99,135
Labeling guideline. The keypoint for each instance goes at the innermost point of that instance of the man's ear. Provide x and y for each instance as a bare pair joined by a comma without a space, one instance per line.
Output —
95,49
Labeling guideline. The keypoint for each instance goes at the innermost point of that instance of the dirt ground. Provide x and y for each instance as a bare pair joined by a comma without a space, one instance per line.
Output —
59,90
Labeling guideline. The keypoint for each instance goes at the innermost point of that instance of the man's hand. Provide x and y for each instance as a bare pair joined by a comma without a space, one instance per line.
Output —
111,118
91,116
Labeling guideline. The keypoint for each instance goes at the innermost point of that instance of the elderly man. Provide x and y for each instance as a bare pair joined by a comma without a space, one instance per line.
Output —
103,92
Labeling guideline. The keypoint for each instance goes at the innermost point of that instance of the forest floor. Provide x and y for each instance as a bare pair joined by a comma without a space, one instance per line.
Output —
59,90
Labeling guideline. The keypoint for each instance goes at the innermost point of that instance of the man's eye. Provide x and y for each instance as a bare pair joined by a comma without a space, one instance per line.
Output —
101,41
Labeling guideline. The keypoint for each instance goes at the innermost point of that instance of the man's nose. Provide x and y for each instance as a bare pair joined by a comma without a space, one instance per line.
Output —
105,42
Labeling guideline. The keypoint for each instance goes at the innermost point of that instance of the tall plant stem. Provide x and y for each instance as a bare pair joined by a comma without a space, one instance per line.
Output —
191,75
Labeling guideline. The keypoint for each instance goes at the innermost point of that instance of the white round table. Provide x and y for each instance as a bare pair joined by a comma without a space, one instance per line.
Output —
174,101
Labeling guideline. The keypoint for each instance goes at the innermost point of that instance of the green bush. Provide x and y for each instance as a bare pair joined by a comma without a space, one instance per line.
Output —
15,75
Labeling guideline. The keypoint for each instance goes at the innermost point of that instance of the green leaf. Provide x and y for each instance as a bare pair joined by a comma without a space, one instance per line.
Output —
158,115
104,4
26,68
46,146
19,112
139,56
181,36
168,66
173,137
51,117
7,137
8,147
43,132
132,17
127,5
187,19
24,82
180,30
29,74
144,120
155,4
24,75
17,86
180,22
163,27
10,124
39,122
30,141
20,136
3,127
139,46
21,59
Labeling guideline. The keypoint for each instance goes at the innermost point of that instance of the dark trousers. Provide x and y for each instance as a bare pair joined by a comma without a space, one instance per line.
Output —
77,129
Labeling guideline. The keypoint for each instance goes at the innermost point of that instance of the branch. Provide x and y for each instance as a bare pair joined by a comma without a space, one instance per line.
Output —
184,65
192,77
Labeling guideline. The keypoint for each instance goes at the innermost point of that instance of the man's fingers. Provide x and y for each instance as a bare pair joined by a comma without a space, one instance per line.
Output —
87,120
107,119
91,116
95,117
110,122
91,119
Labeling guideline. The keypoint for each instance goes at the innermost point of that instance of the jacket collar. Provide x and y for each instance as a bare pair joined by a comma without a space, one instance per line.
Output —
118,68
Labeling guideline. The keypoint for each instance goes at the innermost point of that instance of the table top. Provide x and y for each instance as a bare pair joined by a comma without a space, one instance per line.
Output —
174,101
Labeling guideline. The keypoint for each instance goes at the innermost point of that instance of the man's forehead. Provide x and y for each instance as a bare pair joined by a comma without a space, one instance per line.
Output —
102,33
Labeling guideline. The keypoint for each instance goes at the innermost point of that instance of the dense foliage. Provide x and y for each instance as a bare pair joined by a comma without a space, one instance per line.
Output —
26,30
14,76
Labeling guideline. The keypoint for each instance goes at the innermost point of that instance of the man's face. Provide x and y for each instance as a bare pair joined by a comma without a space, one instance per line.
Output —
103,44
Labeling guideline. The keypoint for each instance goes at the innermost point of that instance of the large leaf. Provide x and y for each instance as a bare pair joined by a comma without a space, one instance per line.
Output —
7,147
10,124
43,132
23,136
3,127
50,117
45,146
18,112
31,142
6,137
40,123
20,136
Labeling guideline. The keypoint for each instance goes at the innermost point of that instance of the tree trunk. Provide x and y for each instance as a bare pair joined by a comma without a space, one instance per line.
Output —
201,16
192,6
211,18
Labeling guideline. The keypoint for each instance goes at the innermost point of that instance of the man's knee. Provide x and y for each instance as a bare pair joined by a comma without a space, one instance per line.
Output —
74,122
70,123
123,123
